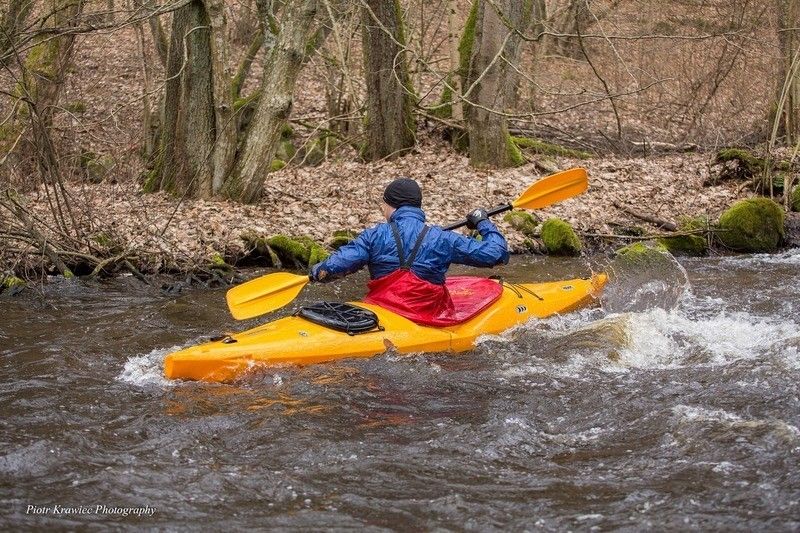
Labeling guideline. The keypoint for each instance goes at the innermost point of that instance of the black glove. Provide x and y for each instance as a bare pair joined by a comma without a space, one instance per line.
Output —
475,216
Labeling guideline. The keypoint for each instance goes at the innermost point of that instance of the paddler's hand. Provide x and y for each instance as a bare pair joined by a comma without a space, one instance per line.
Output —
475,217
317,274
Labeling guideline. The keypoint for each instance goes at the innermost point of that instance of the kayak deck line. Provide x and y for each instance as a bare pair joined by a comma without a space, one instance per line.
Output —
294,340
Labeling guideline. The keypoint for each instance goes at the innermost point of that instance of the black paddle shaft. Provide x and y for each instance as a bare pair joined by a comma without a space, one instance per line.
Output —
492,212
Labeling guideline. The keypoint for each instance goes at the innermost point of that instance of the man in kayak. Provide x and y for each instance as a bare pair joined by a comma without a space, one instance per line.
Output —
408,259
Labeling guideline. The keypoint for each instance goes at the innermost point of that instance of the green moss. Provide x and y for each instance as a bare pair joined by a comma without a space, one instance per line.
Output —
217,262
752,225
694,223
103,239
692,245
559,238
522,221
68,274
151,179
795,198
544,148
317,254
640,251
300,252
342,237
276,165
750,165
10,282
289,250
97,167
445,107
467,41
514,154
246,101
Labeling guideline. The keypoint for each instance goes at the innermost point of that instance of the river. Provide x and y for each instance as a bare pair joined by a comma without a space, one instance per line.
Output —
674,405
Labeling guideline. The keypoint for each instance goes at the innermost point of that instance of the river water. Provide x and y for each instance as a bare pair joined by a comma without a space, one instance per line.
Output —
673,406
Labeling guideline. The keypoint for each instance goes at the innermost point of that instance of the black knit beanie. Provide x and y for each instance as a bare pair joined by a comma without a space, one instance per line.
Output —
403,191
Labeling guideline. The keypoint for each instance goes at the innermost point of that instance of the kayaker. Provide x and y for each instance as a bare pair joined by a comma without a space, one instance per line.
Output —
408,259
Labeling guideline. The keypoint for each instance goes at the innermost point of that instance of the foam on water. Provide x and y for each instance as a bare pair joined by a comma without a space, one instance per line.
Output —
703,416
147,369
694,334
660,338
789,257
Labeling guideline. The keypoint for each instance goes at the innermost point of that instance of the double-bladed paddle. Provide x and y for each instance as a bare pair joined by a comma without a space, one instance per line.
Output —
273,291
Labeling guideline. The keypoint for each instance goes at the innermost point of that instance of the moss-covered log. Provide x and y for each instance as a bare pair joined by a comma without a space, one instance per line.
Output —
544,148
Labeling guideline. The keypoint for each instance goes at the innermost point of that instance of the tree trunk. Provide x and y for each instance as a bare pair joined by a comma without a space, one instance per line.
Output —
490,87
10,24
224,120
786,114
188,134
390,124
246,182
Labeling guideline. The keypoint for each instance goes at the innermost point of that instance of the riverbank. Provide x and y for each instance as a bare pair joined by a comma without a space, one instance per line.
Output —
125,229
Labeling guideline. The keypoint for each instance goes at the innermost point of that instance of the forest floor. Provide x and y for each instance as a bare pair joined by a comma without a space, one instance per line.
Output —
167,233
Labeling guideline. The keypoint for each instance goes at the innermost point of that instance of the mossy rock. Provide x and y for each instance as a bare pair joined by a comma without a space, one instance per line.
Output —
342,237
738,164
299,252
691,245
11,284
794,199
642,256
523,222
752,225
559,238
276,165
751,162
96,167
286,150
544,148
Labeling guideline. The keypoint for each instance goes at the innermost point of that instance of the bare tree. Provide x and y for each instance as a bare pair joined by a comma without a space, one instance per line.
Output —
390,123
490,84
786,108
203,154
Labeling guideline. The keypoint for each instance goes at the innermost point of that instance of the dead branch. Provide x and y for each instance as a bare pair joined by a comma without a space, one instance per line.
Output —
652,219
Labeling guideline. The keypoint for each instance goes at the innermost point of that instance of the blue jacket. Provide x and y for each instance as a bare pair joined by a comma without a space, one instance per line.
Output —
376,248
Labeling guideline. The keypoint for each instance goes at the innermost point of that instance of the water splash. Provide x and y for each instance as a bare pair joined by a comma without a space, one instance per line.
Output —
644,280
147,370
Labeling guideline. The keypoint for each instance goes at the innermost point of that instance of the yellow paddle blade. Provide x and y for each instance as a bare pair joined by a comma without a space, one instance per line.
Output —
554,188
264,294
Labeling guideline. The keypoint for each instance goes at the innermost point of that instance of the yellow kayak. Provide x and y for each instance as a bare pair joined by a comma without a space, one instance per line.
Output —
297,340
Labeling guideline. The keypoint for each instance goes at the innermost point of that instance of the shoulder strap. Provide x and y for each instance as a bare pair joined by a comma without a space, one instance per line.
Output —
398,242
413,254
